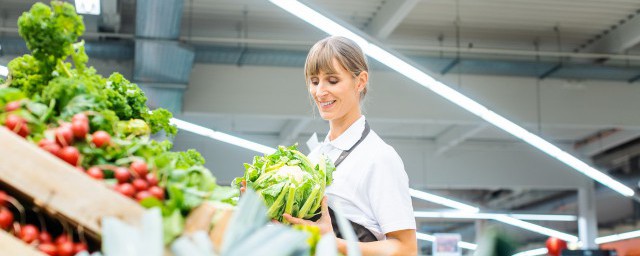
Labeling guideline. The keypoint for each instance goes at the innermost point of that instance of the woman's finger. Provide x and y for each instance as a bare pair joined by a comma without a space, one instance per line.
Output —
293,220
324,206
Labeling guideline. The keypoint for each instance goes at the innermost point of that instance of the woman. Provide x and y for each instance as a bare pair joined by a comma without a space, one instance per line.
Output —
370,185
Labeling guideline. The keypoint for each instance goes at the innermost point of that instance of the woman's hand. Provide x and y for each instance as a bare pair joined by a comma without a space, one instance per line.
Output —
243,188
324,223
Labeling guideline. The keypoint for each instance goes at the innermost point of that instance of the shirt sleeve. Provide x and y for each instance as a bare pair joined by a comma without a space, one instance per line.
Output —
388,191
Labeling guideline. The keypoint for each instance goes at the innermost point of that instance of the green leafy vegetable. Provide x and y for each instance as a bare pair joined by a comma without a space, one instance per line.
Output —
288,182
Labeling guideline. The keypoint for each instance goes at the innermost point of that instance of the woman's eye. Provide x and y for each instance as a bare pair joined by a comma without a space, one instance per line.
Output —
314,82
333,81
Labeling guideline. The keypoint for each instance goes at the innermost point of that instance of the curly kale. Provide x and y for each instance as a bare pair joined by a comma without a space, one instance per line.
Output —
28,74
159,119
50,31
127,99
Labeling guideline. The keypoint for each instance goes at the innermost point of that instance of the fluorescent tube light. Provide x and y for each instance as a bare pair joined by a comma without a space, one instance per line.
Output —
385,57
618,237
425,237
4,71
88,7
467,245
545,217
190,127
443,201
536,228
430,238
480,215
534,252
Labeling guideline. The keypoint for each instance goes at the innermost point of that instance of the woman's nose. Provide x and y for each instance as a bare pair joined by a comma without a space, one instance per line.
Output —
321,89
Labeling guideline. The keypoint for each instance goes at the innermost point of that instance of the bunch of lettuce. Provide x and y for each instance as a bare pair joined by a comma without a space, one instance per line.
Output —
288,182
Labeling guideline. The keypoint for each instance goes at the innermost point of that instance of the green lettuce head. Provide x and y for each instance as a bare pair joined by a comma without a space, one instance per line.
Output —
288,182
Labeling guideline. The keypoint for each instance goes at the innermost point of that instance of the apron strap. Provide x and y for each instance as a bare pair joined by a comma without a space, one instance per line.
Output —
363,234
345,153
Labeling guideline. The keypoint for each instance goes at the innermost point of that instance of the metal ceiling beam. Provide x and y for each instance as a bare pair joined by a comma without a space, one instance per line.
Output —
610,141
389,16
619,38
456,135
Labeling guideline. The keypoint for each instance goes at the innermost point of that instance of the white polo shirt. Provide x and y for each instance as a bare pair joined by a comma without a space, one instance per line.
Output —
370,185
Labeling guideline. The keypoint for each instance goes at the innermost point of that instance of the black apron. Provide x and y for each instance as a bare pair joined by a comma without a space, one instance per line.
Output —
363,234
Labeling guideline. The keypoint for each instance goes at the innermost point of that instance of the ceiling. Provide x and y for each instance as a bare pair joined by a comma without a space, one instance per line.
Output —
524,38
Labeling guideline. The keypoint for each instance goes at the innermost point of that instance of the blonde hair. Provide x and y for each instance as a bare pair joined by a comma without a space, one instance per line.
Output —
344,50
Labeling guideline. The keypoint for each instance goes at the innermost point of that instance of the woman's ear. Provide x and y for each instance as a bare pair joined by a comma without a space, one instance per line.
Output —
362,80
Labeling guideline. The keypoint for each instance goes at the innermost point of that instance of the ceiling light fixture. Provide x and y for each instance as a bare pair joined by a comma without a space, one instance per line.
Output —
618,237
534,252
430,238
487,216
4,71
190,127
403,67
442,201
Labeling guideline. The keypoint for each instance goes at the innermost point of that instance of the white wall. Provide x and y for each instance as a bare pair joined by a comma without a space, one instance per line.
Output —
281,91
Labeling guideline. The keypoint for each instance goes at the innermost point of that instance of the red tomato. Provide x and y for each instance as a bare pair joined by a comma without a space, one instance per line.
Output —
139,167
65,249
48,249
157,192
122,174
101,138
151,178
13,121
80,129
64,135
62,238
140,184
126,189
70,155
555,246
44,237
79,247
11,106
50,146
80,117
3,198
95,172
6,218
24,130
142,195
29,233
17,124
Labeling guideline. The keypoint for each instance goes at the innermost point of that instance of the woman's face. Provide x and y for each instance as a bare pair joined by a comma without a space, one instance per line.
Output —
337,95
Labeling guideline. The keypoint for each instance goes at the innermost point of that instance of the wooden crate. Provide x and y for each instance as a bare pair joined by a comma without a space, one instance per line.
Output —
10,245
60,188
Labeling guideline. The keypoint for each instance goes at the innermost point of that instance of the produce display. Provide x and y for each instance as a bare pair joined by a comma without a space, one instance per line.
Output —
35,233
101,126
288,182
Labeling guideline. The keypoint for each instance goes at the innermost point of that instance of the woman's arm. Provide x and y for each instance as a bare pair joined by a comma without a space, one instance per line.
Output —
401,242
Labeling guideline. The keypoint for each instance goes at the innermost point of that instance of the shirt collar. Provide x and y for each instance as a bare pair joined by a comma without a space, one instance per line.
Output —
349,138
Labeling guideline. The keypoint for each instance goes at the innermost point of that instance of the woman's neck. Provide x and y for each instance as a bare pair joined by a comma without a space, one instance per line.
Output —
338,126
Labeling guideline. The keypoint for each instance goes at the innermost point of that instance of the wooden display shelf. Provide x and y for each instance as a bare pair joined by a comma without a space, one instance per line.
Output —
13,246
60,188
